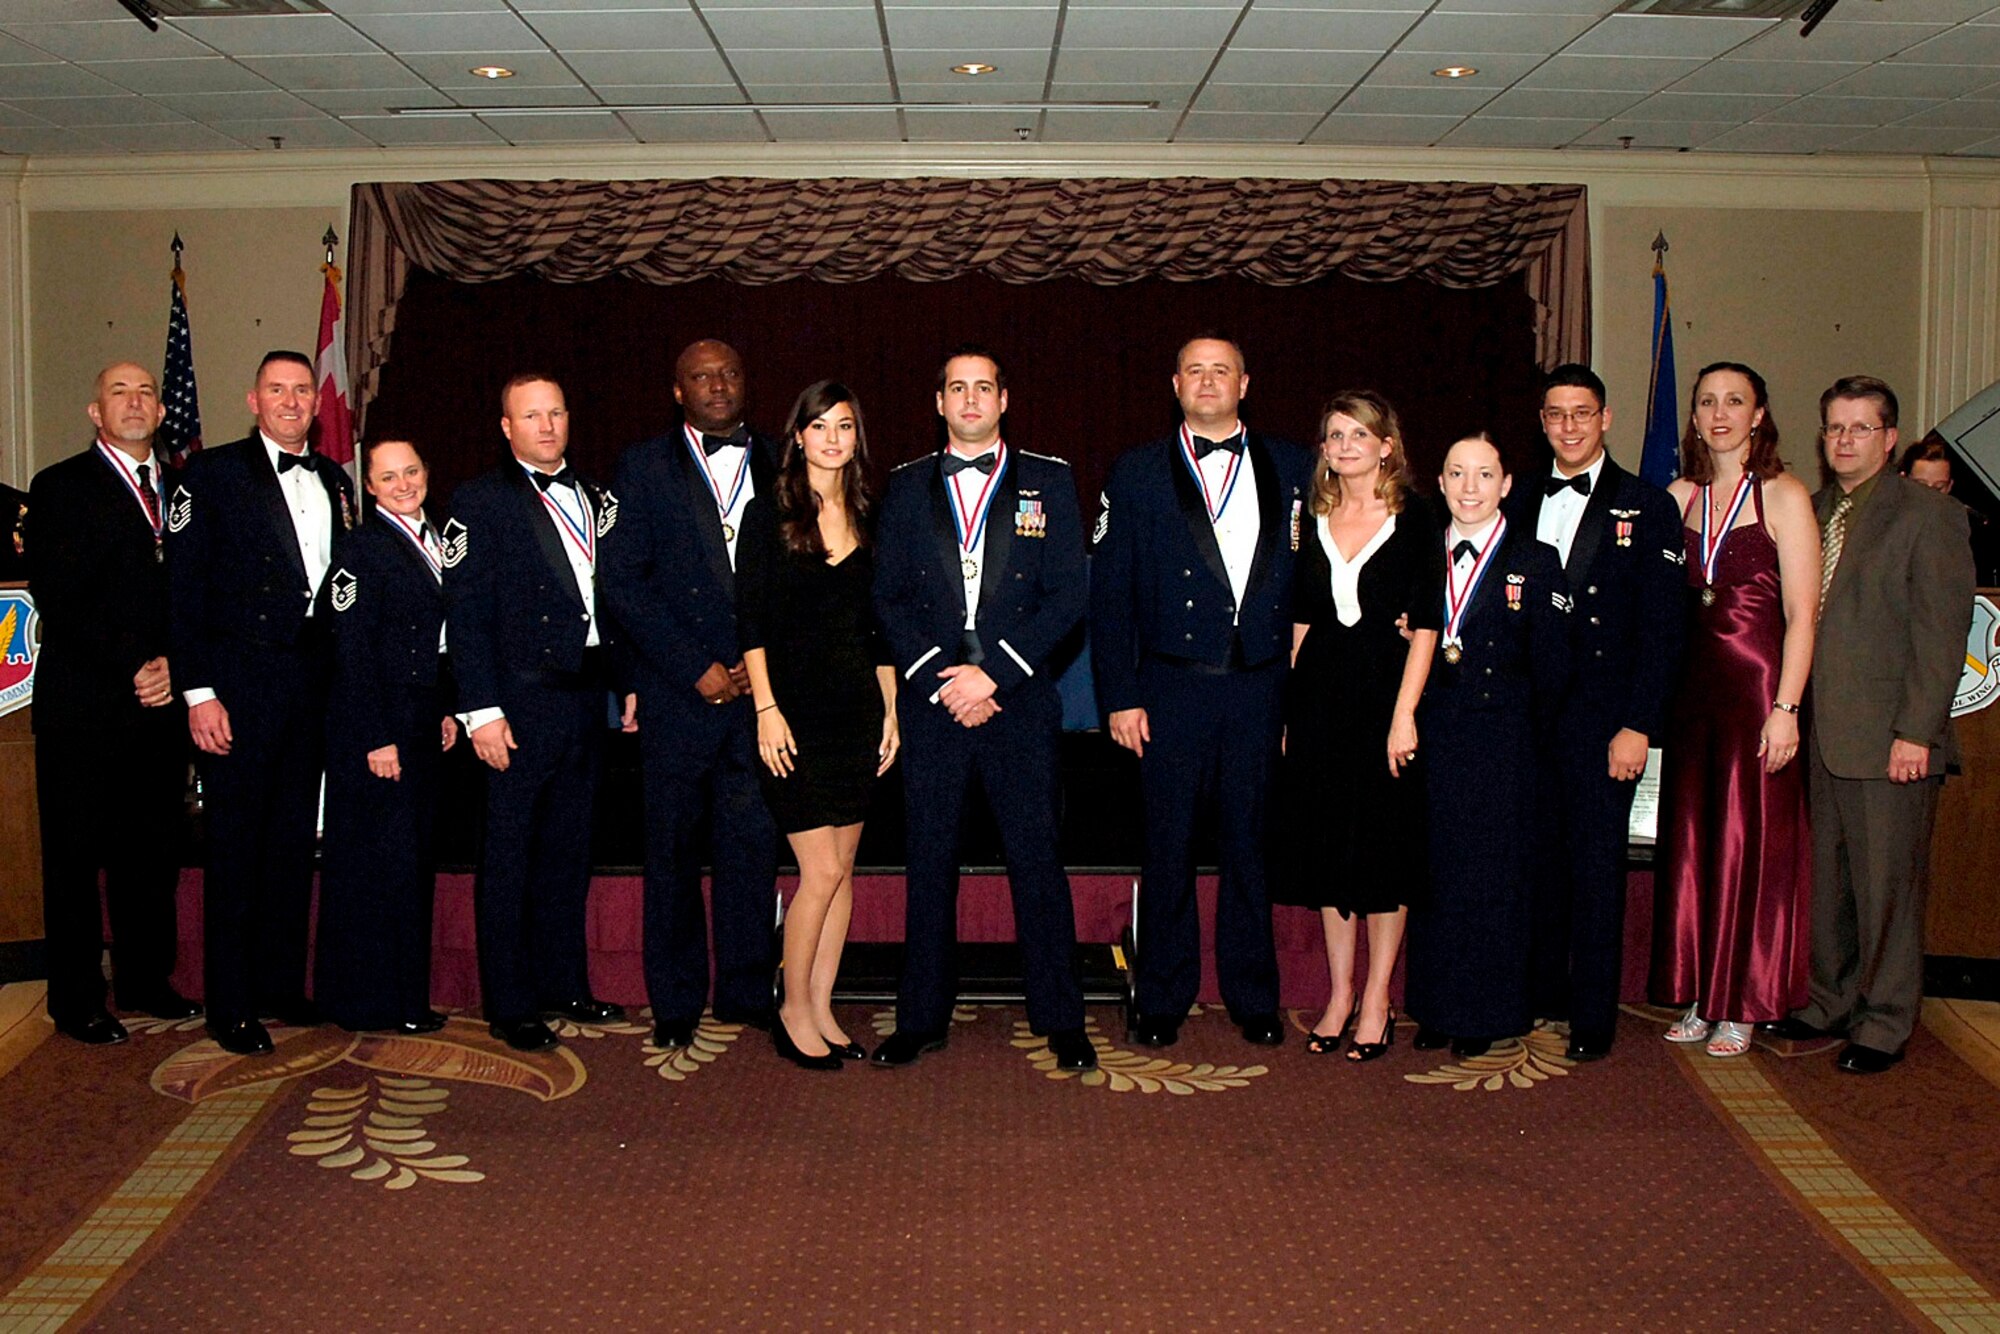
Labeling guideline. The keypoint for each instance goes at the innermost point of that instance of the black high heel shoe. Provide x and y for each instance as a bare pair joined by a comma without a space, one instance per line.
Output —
1368,1051
790,1051
1322,1044
846,1051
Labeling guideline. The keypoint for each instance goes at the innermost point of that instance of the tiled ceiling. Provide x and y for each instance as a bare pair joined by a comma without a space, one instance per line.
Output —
1878,76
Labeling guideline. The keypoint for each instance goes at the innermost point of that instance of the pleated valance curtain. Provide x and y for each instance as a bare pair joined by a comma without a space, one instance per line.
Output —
932,229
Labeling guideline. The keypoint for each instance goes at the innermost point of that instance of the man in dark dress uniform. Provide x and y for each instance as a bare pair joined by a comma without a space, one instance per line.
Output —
533,672
1191,633
249,532
108,727
1623,559
979,579
670,584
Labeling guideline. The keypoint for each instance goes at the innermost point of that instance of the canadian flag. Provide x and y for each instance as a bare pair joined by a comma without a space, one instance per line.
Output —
336,417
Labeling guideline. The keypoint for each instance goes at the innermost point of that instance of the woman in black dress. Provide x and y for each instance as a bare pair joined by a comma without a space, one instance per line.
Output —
1504,661
825,694
1353,808
389,725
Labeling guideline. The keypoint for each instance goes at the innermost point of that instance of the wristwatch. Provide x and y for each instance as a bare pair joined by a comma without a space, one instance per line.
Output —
1788,708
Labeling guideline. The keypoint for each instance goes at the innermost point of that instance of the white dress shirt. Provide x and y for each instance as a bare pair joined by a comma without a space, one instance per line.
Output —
582,567
966,484
1563,511
724,466
1347,573
1237,527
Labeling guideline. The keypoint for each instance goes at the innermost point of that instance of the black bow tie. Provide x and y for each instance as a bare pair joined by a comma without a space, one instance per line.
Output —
739,438
955,464
1203,446
1556,485
565,475
288,461
1462,550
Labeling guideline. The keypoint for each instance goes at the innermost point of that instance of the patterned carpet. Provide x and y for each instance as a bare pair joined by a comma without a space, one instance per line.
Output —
358,1182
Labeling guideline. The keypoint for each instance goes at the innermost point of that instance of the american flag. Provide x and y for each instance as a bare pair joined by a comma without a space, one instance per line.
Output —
180,433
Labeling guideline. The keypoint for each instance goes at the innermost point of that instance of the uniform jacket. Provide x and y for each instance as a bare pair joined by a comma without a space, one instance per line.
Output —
386,608
665,565
1627,584
1158,587
101,590
1032,587
1892,634
1515,634
233,558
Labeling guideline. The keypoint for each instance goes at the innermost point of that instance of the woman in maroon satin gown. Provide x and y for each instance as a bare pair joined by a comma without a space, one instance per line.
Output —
1732,903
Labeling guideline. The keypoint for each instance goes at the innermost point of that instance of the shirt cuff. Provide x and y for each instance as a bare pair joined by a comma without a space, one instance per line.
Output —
198,695
478,718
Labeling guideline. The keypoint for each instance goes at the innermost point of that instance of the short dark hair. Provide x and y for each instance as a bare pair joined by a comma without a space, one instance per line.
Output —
368,448
1575,375
979,350
1930,449
525,377
1211,336
283,354
1860,386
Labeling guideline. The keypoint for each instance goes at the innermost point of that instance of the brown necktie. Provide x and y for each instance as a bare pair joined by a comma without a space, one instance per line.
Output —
1830,544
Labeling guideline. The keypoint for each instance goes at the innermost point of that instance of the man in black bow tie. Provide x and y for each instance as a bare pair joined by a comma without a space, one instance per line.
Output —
1191,631
531,654
1620,543
670,582
249,533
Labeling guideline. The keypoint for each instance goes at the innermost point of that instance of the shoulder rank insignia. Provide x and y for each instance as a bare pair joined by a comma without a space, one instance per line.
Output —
1561,602
180,509
452,543
1103,520
342,588
1675,554
607,512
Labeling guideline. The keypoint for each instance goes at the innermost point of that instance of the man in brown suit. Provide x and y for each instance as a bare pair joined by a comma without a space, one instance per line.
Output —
1895,605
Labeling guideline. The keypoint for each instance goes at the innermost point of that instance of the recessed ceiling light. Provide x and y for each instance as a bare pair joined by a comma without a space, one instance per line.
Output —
491,71
974,67
1454,72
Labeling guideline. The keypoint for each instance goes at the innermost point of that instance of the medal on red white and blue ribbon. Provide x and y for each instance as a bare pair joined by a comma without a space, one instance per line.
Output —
1215,507
583,536
156,513
725,505
1711,541
1457,598
415,533
971,528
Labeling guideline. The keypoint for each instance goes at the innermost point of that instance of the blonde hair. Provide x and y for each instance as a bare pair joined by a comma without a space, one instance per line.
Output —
1392,483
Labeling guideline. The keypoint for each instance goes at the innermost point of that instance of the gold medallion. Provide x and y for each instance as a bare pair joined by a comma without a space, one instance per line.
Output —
1708,597
729,532
969,568
1452,653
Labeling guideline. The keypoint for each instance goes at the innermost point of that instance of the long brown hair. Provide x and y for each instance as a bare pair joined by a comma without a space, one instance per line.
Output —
1760,460
798,504
1392,484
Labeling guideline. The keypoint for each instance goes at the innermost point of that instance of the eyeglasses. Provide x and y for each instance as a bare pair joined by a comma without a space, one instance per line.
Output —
1581,416
1860,435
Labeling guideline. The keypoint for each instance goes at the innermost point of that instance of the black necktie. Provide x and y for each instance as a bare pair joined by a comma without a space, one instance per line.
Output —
288,461
955,464
147,495
1203,446
1462,550
710,443
1579,484
425,533
565,474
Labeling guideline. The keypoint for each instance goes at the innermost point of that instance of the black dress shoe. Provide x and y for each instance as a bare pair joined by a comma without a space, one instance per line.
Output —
586,1011
847,1051
524,1034
1431,1039
673,1034
1464,1048
1156,1031
162,1002
1588,1046
1795,1030
1264,1030
299,1013
1073,1050
429,1022
789,1049
901,1048
245,1037
93,1030
758,1018
1856,1059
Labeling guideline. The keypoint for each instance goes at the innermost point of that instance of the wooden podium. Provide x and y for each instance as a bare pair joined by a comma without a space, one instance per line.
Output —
1962,929
20,836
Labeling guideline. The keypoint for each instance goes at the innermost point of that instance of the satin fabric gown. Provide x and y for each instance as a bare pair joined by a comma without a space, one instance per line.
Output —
1732,919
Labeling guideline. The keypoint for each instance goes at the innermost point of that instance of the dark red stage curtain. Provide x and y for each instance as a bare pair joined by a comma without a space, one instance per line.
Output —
1088,366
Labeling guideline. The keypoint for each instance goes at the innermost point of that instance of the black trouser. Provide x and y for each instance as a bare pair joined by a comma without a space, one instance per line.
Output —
700,763
111,800
263,814
1014,756
1215,743
534,871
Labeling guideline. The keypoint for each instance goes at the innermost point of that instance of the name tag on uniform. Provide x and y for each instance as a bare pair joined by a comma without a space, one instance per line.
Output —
1031,520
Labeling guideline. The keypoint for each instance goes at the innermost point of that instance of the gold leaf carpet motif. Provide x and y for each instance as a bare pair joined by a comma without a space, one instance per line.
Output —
711,1039
1131,1072
393,1146
1521,1063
